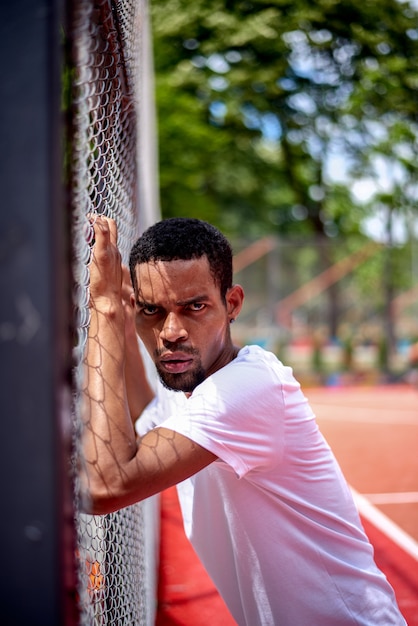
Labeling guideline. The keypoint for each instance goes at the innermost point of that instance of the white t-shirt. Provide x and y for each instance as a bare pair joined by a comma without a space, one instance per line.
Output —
272,520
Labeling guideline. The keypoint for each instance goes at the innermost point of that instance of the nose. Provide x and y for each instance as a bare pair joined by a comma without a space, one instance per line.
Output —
173,330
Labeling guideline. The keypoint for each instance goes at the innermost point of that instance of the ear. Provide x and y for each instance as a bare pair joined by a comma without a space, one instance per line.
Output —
234,300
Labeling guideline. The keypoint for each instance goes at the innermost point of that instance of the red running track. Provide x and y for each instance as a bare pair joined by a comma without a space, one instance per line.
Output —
186,595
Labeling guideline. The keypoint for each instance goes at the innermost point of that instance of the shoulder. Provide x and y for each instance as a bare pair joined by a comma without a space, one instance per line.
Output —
253,355
254,382
256,368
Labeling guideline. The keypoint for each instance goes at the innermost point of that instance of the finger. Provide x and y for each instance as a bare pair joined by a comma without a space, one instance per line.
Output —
105,227
101,229
127,288
113,230
89,230
126,276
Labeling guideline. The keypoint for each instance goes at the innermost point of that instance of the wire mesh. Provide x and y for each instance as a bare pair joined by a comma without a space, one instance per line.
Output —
105,77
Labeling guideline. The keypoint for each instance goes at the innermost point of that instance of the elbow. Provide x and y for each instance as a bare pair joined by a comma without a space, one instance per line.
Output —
95,495
99,502
100,497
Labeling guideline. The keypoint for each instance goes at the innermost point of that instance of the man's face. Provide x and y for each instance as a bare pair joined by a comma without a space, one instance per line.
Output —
182,320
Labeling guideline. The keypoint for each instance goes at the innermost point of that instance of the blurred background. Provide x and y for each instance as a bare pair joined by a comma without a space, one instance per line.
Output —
293,127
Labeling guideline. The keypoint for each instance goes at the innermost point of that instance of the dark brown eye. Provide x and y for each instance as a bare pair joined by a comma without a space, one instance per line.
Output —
196,306
149,310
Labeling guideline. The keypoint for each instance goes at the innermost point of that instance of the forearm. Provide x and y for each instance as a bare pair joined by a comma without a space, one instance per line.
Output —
109,441
138,389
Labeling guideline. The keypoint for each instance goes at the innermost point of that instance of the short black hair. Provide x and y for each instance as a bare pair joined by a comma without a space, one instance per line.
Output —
184,238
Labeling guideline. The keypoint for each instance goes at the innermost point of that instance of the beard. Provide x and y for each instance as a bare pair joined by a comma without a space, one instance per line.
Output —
185,381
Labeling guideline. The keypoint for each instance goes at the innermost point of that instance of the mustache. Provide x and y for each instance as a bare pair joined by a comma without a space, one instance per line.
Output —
175,347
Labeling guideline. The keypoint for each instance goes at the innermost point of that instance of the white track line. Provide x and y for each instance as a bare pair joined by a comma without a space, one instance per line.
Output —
405,497
385,525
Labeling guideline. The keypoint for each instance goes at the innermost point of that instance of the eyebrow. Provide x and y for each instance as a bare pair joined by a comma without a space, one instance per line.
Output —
197,298
140,302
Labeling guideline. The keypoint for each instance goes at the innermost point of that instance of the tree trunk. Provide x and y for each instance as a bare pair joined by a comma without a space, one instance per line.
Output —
389,338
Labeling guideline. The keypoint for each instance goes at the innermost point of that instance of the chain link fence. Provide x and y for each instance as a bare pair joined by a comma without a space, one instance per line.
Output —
105,78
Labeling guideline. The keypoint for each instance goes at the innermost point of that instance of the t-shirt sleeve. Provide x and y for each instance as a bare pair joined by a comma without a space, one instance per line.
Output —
237,414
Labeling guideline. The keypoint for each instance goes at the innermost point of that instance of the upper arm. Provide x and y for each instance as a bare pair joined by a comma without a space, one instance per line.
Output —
163,458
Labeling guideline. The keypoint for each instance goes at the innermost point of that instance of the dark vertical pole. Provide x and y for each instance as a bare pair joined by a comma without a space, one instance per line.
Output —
388,347
36,580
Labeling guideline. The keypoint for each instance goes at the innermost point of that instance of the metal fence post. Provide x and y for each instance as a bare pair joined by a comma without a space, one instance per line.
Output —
36,579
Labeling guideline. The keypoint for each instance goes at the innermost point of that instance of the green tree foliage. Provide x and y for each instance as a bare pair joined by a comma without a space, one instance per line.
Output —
257,99
269,111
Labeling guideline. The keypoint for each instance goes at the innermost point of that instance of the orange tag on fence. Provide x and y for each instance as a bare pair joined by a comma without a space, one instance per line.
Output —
96,578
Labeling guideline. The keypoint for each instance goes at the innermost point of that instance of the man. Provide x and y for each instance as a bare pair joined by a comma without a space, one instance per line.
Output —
263,499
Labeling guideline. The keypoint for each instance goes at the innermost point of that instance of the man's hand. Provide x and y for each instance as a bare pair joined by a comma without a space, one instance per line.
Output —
105,267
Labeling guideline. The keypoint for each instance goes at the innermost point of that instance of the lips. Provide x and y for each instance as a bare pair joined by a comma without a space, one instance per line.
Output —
176,363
